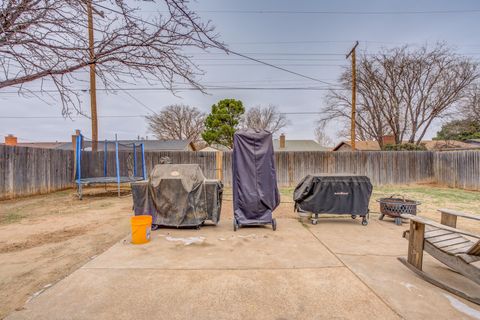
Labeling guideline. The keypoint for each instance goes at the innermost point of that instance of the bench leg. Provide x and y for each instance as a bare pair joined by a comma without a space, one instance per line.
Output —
415,244
449,220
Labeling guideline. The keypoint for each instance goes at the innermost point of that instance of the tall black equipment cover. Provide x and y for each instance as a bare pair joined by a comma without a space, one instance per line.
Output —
255,191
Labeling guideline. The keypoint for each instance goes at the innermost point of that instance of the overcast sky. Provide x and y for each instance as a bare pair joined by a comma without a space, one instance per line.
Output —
298,41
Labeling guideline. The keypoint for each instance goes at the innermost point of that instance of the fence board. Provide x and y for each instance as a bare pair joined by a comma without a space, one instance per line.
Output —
27,171
458,169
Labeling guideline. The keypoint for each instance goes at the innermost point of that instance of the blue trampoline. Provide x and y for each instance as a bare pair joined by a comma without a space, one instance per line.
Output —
91,175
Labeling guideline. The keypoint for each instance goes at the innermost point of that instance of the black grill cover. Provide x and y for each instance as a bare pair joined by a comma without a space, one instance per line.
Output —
339,194
255,191
178,195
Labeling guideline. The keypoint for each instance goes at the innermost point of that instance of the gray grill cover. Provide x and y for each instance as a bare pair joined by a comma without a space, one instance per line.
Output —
255,191
178,195
340,194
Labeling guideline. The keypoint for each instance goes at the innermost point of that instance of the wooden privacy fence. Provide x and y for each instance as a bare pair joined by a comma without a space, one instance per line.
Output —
382,167
26,171
93,162
458,169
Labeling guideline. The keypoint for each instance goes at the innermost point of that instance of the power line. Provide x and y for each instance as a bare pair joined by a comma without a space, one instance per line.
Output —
129,116
286,64
274,53
305,54
229,51
270,59
135,99
313,12
71,117
184,89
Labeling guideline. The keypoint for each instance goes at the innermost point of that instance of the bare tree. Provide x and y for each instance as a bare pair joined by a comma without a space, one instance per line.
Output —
267,118
46,40
401,91
471,108
321,136
177,122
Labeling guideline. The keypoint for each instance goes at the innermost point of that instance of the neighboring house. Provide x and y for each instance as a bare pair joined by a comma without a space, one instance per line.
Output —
150,145
359,145
448,144
475,142
296,145
214,148
429,144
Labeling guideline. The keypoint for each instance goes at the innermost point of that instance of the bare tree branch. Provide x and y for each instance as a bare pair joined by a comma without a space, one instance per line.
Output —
47,40
402,91
177,122
471,108
267,118
321,136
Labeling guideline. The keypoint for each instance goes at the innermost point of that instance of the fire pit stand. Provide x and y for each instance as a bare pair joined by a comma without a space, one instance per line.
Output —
396,205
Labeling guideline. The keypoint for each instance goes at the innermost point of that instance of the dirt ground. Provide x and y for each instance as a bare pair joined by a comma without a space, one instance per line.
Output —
45,238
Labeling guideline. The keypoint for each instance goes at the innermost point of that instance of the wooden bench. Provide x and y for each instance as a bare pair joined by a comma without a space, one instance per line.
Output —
458,249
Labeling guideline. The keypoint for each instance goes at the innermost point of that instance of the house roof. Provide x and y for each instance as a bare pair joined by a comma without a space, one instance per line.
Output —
150,145
215,147
298,145
447,144
209,149
43,145
429,144
360,145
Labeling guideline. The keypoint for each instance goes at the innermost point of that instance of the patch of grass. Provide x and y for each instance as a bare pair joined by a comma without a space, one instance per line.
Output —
432,197
11,217
287,192
104,205
432,191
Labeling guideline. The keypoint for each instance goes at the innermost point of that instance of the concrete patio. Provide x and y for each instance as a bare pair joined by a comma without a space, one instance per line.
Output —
336,269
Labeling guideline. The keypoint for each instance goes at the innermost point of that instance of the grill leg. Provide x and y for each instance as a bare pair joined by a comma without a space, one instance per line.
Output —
381,216
364,221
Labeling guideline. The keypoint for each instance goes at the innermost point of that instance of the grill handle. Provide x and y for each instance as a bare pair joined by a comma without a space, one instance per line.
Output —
398,195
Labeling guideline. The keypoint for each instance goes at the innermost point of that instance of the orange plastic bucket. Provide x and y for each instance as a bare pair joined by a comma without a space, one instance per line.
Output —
141,228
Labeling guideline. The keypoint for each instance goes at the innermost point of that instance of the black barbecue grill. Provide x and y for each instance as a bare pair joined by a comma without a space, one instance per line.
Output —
334,194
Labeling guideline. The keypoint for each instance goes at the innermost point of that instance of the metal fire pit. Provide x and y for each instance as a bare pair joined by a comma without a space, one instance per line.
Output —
396,205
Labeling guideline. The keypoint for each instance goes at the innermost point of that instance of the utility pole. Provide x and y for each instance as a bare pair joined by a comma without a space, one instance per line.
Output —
93,85
354,95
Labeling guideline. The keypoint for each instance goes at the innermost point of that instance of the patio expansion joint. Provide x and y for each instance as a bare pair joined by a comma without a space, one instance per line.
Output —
356,276
215,269
367,255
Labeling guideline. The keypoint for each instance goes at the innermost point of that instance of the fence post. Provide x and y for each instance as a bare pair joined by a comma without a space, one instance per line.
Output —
290,161
219,165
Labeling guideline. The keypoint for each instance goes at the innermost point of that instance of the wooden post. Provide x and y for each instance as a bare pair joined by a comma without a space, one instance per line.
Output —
415,244
93,85
291,164
354,95
219,165
449,220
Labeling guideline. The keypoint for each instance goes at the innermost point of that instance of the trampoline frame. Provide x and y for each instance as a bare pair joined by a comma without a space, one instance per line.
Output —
105,179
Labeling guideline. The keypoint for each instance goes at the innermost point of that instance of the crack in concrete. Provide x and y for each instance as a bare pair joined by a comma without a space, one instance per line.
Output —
355,275
214,269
